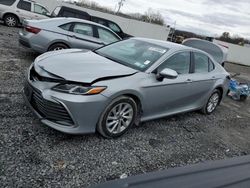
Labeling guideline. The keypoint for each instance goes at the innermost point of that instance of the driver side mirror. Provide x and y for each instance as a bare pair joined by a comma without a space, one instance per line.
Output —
166,73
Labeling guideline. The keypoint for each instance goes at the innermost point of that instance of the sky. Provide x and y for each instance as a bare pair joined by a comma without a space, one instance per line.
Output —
207,17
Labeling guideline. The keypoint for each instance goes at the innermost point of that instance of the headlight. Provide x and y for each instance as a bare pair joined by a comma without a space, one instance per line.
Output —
78,89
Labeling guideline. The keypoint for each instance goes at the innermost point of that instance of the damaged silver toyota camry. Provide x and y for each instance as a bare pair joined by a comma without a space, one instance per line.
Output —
110,89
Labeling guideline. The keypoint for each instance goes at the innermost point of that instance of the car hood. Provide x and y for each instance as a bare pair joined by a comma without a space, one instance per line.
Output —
80,66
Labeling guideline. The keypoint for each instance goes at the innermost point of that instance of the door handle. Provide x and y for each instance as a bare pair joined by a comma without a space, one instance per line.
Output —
73,36
18,11
213,77
189,81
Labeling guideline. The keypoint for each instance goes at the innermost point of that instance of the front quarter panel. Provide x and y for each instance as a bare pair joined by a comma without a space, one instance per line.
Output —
129,85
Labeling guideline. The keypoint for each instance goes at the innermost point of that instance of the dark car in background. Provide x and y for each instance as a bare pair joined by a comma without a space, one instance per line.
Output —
64,11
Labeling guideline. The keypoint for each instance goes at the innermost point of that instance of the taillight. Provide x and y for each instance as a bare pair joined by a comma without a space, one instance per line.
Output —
32,29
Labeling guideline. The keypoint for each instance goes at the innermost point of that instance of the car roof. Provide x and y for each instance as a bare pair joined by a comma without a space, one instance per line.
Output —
66,20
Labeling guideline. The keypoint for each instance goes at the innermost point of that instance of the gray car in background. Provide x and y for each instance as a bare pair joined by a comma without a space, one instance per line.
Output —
63,33
108,90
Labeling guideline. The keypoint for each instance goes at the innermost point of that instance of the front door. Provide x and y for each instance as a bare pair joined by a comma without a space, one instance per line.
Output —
39,12
170,95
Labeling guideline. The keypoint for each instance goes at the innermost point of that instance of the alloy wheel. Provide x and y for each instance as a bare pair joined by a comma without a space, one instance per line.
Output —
213,102
58,48
10,21
119,118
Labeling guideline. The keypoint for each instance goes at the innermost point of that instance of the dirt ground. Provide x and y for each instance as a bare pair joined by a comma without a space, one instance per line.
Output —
33,155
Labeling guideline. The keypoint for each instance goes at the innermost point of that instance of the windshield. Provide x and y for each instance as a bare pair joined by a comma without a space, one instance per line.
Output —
133,53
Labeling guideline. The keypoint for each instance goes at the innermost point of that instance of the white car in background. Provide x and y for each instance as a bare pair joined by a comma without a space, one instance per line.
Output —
218,52
13,12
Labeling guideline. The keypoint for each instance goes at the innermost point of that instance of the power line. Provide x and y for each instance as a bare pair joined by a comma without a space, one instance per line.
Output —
120,4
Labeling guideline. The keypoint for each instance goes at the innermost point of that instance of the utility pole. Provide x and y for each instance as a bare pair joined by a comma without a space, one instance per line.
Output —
120,4
173,32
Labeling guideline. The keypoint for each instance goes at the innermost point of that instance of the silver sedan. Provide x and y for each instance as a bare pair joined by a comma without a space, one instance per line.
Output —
110,89
63,33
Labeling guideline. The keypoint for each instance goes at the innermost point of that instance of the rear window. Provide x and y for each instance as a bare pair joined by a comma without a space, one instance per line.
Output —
201,63
211,66
7,2
24,5
65,26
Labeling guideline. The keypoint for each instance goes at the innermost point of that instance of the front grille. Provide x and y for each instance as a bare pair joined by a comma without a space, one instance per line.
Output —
55,112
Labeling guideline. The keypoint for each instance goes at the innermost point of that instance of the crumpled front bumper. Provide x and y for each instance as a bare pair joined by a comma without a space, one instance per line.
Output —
83,110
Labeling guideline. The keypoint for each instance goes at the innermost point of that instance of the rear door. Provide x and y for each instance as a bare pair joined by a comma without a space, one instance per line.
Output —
82,35
203,77
24,9
39,12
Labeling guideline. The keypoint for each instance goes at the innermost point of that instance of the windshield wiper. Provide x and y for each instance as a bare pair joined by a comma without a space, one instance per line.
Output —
108,57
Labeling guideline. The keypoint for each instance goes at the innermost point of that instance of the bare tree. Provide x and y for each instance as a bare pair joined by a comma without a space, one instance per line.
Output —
120,4
150,15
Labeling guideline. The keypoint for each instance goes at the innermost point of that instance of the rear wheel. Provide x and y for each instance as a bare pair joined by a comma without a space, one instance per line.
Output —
243,97
11,20
117,117
213,102
58,46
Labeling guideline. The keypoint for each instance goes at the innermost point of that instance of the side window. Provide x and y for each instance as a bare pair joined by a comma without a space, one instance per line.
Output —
114,27
100,21
82,16
40,10
107,36
65,26
211,66
68,14
24,5
179,62
7,2
201,63
83,29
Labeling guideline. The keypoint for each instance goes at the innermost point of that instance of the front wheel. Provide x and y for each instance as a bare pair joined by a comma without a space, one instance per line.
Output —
117,117
212,102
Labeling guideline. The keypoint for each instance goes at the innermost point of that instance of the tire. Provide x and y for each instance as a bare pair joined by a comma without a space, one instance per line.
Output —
11,20
243,97
57,46
110,120
212,103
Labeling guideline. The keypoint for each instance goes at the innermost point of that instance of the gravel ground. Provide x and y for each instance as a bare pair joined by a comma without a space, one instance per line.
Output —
33,155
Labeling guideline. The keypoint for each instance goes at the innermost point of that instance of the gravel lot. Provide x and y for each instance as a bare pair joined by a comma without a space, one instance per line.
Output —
33,155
